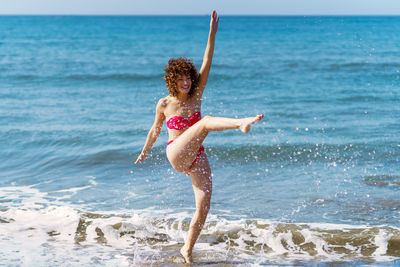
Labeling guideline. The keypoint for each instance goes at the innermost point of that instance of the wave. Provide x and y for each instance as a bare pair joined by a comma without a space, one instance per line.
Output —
86,155
223,66
304,153
348,67
382,180
252,237
115,77
224,239
362,98
361,66
131,77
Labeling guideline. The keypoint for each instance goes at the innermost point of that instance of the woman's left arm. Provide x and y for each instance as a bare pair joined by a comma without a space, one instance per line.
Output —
208,54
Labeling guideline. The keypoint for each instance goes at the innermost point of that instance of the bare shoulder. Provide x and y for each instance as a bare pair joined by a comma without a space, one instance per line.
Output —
162,104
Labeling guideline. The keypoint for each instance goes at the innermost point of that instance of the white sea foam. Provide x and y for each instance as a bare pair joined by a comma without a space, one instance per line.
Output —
36,229
73,190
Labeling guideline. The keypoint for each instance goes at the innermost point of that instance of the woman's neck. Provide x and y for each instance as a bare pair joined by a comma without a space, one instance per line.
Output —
182,96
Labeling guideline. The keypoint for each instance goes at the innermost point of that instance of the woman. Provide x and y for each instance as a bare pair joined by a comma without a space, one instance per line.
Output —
187,130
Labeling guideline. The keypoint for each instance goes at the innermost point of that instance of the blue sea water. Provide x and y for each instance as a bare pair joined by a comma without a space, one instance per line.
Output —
316,182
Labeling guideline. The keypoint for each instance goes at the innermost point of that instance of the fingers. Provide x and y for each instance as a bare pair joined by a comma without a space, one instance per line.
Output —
214,16
141,157
138,160
214,21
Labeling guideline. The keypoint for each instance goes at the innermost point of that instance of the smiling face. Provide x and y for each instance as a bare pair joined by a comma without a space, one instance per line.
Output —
183,84
181,76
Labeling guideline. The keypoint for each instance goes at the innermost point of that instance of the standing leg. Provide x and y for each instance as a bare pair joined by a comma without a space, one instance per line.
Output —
182,152
202,188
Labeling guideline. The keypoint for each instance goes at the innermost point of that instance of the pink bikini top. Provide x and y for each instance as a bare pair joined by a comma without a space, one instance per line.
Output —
179,123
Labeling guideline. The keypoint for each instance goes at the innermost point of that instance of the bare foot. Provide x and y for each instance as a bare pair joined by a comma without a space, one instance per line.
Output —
246,122
186,254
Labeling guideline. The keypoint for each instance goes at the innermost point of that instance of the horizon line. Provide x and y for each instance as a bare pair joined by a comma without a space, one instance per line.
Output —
233,15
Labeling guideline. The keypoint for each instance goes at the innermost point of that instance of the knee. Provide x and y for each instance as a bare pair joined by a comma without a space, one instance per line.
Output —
176,163
207,118
181,168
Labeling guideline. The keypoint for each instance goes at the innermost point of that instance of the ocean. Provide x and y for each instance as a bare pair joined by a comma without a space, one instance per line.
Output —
316,183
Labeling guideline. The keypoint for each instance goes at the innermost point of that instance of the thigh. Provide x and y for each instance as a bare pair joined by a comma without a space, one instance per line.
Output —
183,150
200,173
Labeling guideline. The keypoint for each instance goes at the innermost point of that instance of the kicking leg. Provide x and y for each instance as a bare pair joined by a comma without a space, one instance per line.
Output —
182,152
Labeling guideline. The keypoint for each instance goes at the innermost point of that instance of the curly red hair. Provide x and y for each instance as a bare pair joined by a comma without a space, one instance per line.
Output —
180,66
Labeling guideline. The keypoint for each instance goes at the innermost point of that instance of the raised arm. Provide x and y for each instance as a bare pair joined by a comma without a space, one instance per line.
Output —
154,131
208,54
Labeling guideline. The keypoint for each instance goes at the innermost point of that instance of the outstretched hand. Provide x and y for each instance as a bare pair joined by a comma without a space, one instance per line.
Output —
141,157
214,22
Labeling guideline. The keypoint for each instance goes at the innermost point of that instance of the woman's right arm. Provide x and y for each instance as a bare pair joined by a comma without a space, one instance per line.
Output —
154,131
